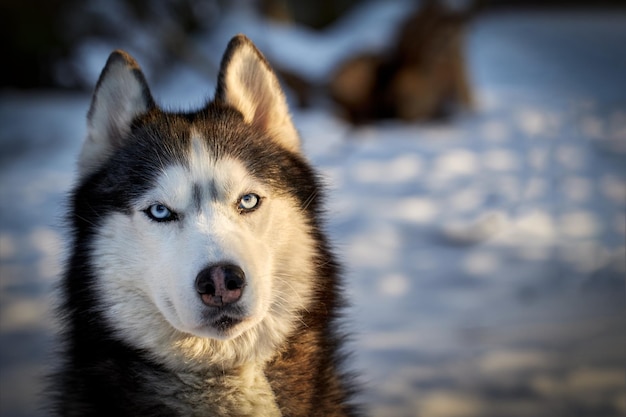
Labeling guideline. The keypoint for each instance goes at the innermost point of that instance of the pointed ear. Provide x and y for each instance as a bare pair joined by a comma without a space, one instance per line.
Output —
121,95
247,83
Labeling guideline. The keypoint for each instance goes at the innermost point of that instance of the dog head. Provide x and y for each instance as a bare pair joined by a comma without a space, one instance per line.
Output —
199,227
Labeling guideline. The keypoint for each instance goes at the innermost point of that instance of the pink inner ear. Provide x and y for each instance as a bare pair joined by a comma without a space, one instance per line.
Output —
266,105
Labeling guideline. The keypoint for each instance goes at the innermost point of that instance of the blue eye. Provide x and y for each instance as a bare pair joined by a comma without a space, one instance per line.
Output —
160,213
248,202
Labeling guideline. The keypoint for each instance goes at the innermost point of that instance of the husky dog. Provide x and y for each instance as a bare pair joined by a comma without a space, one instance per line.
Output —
199,282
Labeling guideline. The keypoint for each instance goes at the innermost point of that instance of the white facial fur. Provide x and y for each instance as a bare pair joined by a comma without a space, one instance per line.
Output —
146,270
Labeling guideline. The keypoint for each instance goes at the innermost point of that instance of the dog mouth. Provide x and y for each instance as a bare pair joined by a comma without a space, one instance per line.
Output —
225,319
225,323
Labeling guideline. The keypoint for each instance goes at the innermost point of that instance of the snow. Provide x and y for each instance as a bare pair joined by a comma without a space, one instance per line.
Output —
485,258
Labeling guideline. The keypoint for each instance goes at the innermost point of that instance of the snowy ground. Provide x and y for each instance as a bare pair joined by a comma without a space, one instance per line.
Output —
486,258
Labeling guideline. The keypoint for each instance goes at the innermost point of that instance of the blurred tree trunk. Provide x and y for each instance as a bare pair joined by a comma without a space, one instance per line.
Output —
314,14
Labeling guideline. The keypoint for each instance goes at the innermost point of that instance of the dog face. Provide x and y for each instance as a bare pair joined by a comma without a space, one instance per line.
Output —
199,224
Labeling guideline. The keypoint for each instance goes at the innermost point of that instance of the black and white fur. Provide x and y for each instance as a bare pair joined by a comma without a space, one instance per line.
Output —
166,200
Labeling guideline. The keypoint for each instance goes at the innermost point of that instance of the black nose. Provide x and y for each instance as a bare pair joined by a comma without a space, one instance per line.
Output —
219,284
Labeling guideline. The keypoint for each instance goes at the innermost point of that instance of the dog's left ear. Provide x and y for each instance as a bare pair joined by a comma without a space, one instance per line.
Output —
247,83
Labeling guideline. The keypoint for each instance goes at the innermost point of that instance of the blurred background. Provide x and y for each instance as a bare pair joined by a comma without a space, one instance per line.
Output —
475,153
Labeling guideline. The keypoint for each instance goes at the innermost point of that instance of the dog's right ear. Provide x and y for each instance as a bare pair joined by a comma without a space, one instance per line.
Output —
121,94
247,83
